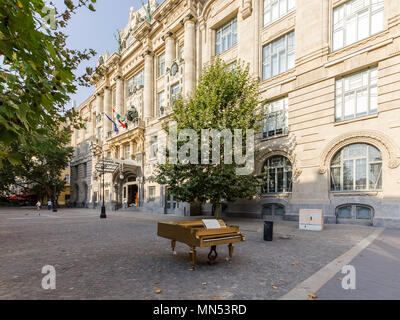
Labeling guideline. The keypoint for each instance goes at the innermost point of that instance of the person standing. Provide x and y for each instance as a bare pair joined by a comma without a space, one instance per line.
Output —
49,204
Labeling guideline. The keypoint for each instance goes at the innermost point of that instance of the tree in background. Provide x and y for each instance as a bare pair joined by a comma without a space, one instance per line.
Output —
226,97
41,165
36,73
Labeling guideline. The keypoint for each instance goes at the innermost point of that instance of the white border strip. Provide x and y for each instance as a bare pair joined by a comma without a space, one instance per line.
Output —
318,279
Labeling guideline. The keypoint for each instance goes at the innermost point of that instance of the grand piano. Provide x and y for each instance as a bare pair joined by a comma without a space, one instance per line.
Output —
206,233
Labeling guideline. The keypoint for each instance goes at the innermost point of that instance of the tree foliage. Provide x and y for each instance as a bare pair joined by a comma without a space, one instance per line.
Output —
36,72
225,98
41,165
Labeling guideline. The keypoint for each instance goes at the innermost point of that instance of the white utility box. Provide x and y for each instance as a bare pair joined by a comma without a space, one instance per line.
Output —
311,219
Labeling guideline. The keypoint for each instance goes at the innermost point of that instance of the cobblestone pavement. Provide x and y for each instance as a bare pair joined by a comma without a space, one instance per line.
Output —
121,257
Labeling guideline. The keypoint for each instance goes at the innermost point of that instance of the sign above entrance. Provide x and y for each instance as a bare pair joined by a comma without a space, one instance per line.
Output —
109,166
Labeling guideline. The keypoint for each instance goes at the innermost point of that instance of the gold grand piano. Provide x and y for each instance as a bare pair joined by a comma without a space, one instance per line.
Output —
196,234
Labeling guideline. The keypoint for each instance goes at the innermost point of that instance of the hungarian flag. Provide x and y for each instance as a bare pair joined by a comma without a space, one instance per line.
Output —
118,117
115,125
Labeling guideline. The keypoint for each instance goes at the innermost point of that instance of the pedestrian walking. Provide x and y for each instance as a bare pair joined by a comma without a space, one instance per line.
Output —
38,204
49,205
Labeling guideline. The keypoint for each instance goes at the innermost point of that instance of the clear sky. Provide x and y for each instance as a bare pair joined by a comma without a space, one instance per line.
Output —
95,30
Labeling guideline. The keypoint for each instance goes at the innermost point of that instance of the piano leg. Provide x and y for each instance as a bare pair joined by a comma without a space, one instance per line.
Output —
192,254
230,246
212,255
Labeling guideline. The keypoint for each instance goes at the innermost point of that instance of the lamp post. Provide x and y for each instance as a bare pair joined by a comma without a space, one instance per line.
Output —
96,149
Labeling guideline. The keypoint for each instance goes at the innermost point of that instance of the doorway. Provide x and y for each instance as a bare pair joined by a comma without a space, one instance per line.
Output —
133,195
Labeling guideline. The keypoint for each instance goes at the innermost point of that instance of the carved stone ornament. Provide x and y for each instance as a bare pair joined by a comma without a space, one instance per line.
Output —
174,69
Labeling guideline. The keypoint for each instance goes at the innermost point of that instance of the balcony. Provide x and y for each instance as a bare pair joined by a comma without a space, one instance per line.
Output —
131,126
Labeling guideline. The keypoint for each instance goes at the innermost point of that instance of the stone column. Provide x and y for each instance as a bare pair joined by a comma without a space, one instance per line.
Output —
120,103
121,151
190,54
132,147
148,85
170,50
107,124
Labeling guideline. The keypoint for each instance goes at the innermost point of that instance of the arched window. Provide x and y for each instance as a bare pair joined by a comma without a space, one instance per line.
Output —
356,167
278,175
350,212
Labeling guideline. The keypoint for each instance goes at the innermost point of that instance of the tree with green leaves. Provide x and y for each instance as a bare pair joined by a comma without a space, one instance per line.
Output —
225,98
36,72
41,164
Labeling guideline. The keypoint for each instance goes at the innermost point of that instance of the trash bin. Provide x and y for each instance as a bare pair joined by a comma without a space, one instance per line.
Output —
268,230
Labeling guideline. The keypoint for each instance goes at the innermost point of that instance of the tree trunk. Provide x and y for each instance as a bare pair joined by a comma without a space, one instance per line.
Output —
216,211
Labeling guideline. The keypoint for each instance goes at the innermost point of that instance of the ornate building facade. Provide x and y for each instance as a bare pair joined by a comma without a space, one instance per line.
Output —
329,85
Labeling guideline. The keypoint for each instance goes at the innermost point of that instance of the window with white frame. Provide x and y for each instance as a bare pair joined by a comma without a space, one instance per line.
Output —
277,172
175,89
275,9
356,95
127,151
226,36
161,65
278,56
356,20
161,103
152,193
275,120
135,82
153,147
181,53
356,167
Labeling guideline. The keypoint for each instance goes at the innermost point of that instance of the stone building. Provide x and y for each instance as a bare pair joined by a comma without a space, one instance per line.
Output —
329,82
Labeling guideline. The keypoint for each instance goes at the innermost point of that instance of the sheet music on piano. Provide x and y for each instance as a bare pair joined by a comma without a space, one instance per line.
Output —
211,223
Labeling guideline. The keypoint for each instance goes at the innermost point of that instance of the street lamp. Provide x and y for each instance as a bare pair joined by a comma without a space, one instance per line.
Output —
95,150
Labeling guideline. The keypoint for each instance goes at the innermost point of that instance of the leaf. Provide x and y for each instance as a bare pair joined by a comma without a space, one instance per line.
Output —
204,283
275,287
158,291
215,297
19,4
69,4
91,8
312,296
156,282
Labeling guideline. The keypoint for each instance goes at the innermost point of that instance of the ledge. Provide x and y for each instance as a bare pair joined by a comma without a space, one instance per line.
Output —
372,116
354,193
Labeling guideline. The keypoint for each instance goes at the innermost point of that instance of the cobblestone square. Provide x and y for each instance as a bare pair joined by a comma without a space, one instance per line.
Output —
121,257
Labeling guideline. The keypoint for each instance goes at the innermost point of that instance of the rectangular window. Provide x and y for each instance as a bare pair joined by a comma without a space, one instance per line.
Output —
278,56
78,150
175,89
87,147
356,20
226,36
85,170
135,83
275,120
113,98
356,95
152,193
127,151
161,103
181,53
275,9
161,65
153,147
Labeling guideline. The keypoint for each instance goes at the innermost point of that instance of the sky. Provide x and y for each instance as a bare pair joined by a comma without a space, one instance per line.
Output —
96,30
